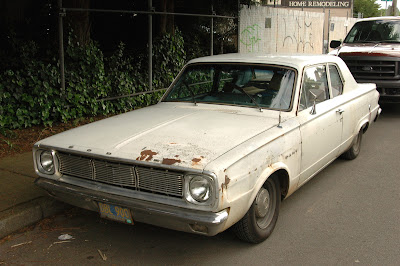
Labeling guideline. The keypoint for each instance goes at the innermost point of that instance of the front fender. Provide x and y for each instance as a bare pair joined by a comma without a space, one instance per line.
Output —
240,200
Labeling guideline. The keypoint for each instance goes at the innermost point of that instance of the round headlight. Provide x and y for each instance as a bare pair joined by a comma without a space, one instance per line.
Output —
200,188
46,161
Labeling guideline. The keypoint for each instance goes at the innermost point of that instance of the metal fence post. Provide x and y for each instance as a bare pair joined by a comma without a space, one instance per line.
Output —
61,45
150,46
212,32
238,27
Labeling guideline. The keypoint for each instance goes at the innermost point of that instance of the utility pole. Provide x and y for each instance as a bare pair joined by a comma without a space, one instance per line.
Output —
394,8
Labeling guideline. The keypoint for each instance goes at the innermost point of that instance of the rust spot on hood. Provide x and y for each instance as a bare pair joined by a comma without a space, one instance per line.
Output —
195,161
146,155
168,161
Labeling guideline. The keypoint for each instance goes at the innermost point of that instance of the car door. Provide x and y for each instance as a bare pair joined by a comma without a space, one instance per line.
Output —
320,121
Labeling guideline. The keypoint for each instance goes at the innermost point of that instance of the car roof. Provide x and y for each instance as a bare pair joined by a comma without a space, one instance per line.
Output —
292,60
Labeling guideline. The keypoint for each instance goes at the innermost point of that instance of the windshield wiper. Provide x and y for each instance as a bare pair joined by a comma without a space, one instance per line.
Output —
251,97
191,92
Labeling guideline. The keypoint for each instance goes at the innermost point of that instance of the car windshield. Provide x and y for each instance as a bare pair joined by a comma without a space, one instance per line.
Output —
244,85
374,31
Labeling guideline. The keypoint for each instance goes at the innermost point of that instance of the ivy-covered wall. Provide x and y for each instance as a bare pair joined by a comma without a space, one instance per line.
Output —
30,90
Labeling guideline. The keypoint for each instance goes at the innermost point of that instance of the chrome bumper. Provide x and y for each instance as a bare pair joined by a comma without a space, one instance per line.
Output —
199,222
378,113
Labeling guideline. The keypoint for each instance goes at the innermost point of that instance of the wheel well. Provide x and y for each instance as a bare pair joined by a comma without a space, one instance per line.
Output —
365,127
283,178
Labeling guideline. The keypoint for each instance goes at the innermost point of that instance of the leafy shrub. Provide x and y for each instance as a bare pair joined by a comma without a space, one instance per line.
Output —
31,94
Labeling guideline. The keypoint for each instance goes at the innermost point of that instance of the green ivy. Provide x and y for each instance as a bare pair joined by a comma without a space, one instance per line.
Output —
31,94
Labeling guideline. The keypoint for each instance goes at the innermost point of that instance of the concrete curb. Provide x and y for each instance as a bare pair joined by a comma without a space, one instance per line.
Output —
24,214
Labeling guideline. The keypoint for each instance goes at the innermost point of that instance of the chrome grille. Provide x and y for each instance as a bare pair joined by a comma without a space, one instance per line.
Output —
122,175
116,174
76,166
159,181
372,69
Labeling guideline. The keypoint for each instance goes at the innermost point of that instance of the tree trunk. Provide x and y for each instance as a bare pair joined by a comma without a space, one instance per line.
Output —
79,21
167,23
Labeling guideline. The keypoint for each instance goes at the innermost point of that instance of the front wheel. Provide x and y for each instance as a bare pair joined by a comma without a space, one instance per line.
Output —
259,221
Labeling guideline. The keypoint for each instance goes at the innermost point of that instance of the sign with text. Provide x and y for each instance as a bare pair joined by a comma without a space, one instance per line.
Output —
317,3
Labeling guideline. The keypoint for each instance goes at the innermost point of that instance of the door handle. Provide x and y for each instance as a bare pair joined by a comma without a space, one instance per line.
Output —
339,111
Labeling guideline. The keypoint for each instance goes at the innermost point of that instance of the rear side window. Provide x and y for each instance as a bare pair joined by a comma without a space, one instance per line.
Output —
336,81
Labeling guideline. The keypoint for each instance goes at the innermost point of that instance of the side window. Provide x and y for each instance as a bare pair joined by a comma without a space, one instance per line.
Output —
315,86
336,81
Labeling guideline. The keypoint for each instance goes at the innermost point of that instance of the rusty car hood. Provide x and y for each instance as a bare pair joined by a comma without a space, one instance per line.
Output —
167,133
370,49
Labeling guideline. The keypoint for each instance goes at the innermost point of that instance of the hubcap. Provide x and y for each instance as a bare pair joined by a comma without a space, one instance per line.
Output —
262,203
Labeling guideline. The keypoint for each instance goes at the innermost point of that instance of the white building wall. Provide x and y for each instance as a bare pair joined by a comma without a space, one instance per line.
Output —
280,30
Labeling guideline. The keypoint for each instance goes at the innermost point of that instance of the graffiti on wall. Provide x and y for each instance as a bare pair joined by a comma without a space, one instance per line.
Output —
250,38
300,34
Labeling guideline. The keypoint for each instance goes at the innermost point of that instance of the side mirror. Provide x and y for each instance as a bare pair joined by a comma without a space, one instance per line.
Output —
313,109
316,95
335,44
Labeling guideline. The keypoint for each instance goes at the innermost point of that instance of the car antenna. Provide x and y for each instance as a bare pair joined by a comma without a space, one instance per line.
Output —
280,119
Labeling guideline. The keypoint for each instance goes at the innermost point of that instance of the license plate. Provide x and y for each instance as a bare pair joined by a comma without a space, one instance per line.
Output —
115,213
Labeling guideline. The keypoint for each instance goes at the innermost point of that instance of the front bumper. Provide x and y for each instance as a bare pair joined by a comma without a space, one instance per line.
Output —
199,222
378,114
384,98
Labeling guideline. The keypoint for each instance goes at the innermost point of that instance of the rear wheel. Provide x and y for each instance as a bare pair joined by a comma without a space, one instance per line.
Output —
354,150
259,222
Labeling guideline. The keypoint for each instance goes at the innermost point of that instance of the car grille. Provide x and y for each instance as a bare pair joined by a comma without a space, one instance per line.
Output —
377,69
392,91
141,178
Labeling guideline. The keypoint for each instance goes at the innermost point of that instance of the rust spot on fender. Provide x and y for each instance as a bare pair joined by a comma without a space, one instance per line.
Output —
176,156
227,180
146,155
169,161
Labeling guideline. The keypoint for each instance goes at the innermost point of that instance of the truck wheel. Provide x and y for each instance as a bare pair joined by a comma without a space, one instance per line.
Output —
354,150
259,221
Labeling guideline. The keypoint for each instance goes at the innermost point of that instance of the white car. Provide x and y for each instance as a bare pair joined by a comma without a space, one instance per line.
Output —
232,137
